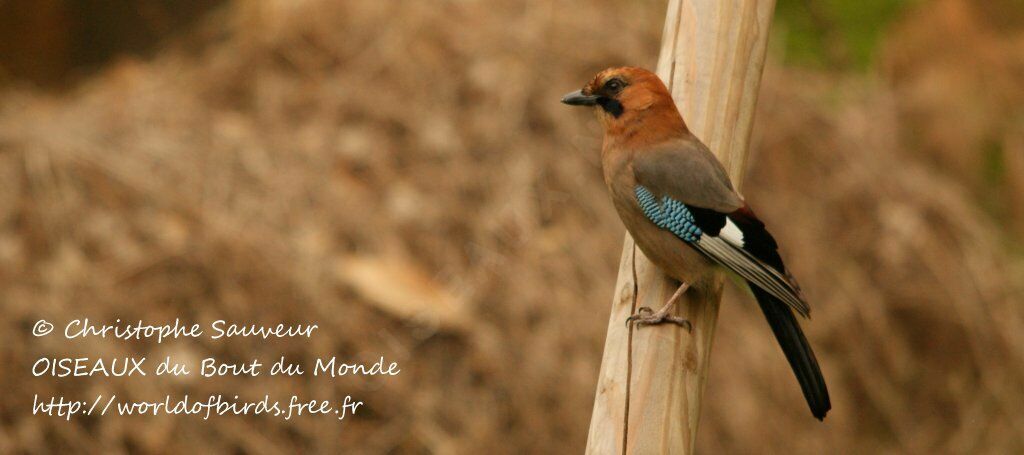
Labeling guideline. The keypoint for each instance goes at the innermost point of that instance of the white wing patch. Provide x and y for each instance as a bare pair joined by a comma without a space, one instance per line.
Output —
732,233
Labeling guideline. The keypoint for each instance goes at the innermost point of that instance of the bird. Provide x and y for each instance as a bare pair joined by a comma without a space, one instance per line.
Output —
677,202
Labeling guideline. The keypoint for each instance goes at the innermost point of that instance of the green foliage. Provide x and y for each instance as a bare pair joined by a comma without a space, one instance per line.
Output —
835,33
994,165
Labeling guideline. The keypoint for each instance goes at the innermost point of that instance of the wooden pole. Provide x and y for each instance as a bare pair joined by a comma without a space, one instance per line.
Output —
712,55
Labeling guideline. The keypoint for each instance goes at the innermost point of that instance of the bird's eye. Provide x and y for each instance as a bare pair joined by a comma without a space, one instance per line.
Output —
614,85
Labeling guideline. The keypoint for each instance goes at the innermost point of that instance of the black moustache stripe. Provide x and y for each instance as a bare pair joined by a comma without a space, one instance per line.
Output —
611,106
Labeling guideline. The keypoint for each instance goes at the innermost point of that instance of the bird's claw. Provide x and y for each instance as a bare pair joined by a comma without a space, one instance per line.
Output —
640,313
647,316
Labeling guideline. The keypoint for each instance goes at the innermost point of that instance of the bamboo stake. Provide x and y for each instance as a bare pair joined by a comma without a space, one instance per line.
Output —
712,55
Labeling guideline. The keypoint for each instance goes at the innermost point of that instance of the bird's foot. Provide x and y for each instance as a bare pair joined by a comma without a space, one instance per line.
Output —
647,316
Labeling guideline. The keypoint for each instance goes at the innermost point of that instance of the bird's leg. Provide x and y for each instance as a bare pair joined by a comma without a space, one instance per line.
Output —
646,316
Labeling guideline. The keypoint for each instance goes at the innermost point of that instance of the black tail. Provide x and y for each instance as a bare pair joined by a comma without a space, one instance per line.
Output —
798,351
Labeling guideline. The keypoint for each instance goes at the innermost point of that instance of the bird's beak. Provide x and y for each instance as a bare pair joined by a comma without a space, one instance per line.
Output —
577,98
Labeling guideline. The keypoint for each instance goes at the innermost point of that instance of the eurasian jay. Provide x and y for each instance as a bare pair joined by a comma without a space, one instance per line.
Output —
678,203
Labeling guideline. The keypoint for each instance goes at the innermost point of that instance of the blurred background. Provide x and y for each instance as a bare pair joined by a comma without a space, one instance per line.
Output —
402,174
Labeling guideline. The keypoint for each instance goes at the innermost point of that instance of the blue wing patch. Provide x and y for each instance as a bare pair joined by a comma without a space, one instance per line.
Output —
668,214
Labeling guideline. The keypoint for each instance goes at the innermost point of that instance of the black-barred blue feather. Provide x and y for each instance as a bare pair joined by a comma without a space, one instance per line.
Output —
668,214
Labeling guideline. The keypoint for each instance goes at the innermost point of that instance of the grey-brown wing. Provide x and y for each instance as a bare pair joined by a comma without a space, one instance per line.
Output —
686,171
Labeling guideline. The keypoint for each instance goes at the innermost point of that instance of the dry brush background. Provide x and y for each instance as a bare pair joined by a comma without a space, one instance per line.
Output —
402,174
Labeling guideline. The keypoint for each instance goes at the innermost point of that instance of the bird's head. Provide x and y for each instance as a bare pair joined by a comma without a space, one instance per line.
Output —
625,97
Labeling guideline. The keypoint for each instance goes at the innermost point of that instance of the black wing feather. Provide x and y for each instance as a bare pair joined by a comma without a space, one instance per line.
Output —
709,221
